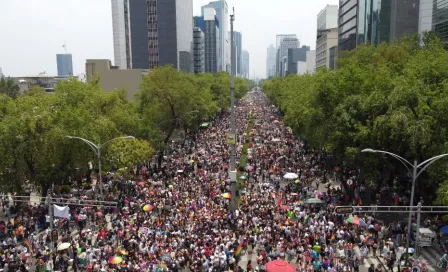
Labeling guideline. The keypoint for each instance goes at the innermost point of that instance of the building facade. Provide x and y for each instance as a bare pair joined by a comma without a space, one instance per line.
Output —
326,39
152,33
198,50
347,24
328,17
237,39
1,72
296,55
440,19
311,61
112,77
212,53
222,14
245,64
386,20
65,65
333,56
270,61
285,44
279,57
425,16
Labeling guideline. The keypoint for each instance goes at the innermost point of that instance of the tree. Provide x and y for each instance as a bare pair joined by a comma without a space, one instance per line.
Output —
9,87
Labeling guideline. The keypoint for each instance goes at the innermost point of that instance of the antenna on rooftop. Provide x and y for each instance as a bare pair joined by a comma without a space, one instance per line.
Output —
65,47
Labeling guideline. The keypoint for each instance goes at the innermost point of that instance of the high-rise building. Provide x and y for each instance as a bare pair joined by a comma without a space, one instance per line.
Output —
326,38
212,54
285,44
385,20
282,53
245,62
440,19
328,17
237,40
198,50
311,61
270,61
65,65
152,33
347,25
333,52
222,14
425,16
327,34
296,55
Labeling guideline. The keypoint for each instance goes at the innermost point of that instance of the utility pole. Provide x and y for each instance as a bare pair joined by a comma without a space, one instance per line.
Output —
232,173
417,233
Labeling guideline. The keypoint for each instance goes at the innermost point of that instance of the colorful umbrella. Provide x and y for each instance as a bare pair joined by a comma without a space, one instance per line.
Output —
115,260
227,195
279,266
141,184
355,220
148,208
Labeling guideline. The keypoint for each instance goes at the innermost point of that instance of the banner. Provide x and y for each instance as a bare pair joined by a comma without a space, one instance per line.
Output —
59,211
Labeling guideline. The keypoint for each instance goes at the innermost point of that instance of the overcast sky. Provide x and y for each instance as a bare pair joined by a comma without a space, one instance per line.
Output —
32,32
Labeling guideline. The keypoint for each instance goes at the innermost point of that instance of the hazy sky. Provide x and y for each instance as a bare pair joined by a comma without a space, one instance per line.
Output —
32,32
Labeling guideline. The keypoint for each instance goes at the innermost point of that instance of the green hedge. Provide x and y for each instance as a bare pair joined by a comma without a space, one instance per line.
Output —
243,159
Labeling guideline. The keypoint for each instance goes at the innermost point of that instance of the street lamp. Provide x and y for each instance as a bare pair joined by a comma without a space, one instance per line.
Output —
97,149
415,174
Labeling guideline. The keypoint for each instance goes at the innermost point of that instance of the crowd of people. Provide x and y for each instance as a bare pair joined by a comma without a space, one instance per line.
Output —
176,217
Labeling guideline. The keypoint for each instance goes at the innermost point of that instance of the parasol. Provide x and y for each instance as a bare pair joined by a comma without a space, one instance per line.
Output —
147,208
63,246
290,176
313,201
444,230
355,220
115,260
279,266
227,195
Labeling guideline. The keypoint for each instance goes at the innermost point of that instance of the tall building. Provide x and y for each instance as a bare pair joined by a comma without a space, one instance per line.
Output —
333,56
296,55
65,65
347,25
222,14
440,19
1,73
385,20
152,33
270,61
279,57
237,39
245,64
212,54
328,17
198,50
425,16
311,61
285,44
327,34
326,38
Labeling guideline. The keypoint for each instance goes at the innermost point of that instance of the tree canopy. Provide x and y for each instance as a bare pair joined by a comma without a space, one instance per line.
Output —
390,97
33,125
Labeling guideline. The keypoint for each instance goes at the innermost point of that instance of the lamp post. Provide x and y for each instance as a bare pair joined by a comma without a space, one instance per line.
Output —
97,149
232,120
415,174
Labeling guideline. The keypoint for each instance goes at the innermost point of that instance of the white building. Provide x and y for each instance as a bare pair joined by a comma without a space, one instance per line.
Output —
301,67
327,34
285,44
425,16
119,20
311,61
270,61
328,17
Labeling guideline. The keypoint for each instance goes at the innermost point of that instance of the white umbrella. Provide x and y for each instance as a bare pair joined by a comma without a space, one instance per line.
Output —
63,246
290,176
276,140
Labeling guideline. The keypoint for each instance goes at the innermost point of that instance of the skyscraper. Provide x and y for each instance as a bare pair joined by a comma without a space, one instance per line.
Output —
198,50
237,39
212,54
425,16
270,61
152,33
222,14
281,54
296,55
440,19
65,65
327,34
285,44
347,24
245,64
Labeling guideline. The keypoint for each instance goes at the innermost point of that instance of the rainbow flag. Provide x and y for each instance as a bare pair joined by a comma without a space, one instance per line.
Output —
29,246
238,250
332,236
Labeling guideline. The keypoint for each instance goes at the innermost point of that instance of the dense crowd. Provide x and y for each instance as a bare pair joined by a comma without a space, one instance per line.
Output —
176,217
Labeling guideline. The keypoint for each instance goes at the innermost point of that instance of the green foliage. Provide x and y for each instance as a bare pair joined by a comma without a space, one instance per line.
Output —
391,97
9,87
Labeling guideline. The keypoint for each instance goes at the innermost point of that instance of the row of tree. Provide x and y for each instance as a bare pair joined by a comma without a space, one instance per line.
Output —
391,97
33,125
